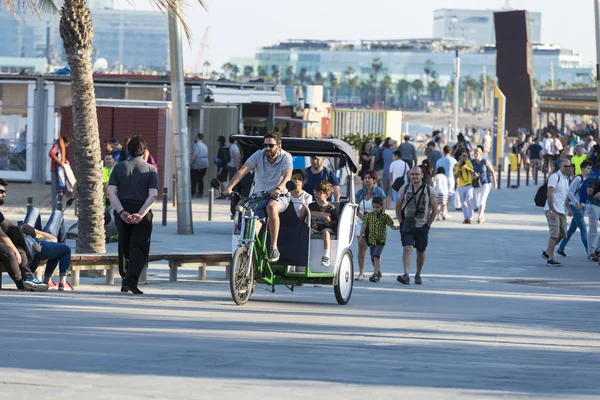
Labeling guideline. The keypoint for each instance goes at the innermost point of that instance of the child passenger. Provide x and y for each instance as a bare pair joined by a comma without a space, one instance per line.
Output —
324,218
299,197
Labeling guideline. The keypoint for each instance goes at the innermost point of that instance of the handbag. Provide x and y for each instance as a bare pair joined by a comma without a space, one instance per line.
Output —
476,180
398,183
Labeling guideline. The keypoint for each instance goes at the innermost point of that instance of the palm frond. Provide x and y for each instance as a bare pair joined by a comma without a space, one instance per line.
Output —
177,7
36,7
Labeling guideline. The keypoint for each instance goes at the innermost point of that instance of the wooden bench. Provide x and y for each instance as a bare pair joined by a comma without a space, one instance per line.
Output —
110,263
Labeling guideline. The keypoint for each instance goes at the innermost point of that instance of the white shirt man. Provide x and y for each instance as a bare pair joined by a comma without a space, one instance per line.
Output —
556,209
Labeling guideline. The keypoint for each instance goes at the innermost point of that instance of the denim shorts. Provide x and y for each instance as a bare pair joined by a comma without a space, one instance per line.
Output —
261,208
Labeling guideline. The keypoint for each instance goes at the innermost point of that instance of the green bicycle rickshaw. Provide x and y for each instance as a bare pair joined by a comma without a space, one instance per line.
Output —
301,252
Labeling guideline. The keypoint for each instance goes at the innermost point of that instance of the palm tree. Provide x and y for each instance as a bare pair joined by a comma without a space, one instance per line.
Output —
386,83
402,87
433,88
77,33
275,73
335,85
248,70
417,85
262,71
227,69
348,72
235,71
214,75
376,67
428,69
206,66
302,75
353,84
319,79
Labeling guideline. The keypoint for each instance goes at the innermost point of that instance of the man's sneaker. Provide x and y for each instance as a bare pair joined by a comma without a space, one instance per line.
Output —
405,279
52,285
324,261
20,285
374,278
65,286
418,280
561,252
553,263
273,255
545,255
593,258
379,275
31,283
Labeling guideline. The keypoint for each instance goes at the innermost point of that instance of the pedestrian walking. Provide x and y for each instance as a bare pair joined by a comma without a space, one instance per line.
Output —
364,200
433,154
483,182
398,176
556,207
235,157
221,161
442,187
388,159
58,155
578,159
534,154
374,229
577,195
448,162
198,166
463,172
132,189
365,158
408,152
416,210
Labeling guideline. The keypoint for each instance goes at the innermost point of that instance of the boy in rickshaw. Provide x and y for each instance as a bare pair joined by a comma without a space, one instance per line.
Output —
324,218
375,228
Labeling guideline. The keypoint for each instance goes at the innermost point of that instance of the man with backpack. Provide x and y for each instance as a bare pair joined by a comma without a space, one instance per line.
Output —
578,199
556,209
318,173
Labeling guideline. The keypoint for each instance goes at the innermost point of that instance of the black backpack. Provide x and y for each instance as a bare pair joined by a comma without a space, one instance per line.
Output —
541,196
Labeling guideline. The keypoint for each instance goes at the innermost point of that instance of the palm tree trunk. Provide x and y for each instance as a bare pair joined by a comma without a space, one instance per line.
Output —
77,34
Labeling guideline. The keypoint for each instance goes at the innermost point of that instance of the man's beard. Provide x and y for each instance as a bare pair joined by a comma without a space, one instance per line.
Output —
1,201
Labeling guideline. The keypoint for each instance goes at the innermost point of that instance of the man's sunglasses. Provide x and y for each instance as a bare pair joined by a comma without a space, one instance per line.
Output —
269,145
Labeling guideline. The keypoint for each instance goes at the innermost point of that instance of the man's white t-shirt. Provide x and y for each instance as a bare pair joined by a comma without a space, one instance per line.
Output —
556,147
398,169
560,183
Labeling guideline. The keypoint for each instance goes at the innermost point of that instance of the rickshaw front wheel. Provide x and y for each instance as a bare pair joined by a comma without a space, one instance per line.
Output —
345,278
240,283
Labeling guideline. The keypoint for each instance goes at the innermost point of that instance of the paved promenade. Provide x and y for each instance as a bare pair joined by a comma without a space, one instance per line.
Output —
490,321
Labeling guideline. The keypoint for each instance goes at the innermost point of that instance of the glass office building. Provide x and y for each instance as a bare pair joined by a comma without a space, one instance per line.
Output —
406,59
128,38
476,27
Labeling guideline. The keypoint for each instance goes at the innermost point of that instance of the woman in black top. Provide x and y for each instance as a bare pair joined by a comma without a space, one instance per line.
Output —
365,158
132,189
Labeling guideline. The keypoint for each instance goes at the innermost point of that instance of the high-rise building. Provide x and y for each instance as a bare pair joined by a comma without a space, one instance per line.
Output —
130,39
476,27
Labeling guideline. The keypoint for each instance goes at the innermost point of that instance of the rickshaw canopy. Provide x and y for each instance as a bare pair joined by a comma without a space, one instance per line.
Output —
302,147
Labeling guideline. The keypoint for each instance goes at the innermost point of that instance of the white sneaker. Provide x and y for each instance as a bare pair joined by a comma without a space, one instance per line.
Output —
324,261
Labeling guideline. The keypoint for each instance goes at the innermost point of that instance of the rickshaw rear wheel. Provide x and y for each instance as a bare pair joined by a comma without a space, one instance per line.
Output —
240,283
345,278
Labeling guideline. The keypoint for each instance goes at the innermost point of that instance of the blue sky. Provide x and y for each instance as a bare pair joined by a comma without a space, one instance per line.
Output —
239,27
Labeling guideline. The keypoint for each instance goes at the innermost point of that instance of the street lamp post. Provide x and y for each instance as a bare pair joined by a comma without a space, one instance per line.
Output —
456,90
180,130
597,17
